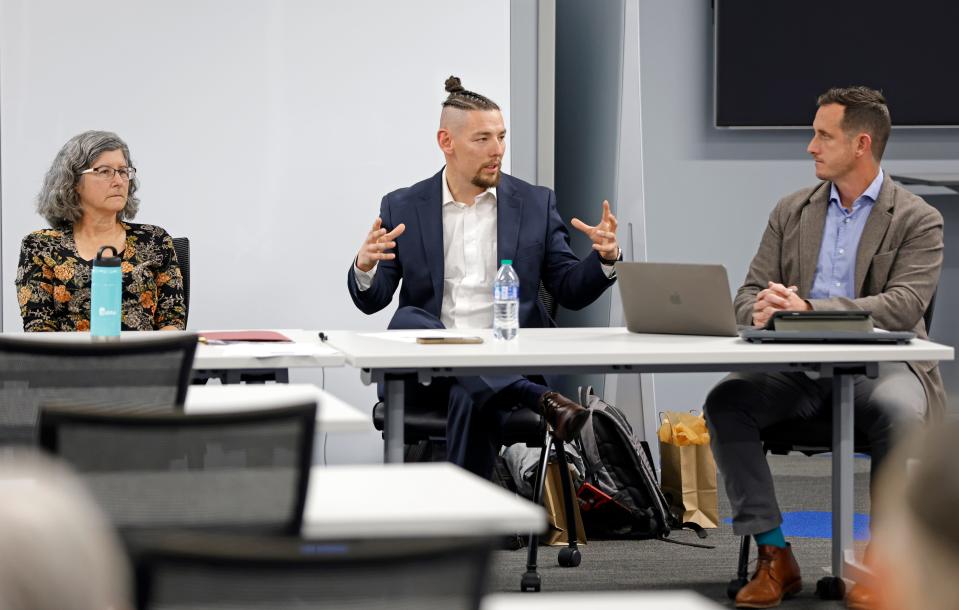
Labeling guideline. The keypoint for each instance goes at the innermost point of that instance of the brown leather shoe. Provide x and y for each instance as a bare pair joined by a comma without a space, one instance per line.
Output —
777,576
862,597
565,416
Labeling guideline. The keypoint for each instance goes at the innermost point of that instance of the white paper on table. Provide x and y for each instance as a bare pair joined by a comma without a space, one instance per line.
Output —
410,336
273,349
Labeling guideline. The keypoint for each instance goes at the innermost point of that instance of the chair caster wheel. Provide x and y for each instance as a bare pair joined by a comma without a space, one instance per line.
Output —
830,587
570,557
530,583
734,586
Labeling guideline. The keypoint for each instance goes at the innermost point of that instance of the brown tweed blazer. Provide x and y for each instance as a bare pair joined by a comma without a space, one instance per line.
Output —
897,264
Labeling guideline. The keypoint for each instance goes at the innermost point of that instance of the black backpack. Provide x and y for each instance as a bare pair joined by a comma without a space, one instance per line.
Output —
620,467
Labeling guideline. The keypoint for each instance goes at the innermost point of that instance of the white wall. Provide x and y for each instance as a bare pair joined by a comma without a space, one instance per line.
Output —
265,131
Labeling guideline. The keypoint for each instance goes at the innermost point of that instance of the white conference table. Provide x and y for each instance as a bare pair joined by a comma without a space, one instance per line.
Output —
410,501
332,414
306,351
605,600
393,356
379,501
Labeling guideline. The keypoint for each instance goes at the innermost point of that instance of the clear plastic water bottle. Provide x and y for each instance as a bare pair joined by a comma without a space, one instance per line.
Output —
506,302
105,295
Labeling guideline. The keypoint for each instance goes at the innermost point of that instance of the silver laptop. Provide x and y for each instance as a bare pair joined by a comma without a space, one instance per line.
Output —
676,299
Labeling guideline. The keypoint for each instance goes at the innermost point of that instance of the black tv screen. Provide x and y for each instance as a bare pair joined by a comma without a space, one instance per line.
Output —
774,57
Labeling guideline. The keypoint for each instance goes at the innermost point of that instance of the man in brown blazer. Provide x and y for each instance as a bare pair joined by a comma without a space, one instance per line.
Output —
856,240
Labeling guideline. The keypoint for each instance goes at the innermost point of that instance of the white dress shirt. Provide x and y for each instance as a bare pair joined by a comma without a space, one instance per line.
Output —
469,261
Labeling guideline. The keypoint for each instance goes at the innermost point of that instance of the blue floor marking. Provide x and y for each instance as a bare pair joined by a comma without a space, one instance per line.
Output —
818,524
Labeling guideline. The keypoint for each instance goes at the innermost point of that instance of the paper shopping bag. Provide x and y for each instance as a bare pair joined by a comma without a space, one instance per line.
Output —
553,502
688,475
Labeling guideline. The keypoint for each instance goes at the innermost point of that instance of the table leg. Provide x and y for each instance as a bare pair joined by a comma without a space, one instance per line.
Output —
393,421
647,397
842,472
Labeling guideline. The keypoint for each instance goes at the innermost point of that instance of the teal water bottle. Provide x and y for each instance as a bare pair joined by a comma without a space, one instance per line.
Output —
105,294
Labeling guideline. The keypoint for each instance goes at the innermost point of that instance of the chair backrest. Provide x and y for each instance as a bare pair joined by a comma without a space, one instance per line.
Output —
40,370
239,471
549,303
188,572
181,245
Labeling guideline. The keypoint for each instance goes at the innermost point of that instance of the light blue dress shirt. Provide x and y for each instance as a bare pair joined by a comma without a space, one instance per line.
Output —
836,267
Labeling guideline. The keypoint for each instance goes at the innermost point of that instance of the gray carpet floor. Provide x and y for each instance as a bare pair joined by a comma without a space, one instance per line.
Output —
802,483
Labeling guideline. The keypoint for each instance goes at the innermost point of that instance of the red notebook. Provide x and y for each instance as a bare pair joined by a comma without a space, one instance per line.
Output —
246,335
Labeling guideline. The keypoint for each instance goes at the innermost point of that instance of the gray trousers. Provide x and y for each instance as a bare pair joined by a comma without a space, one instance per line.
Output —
743,404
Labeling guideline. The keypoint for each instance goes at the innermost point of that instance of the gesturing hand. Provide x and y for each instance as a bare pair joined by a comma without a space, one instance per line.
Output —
375,247
603,235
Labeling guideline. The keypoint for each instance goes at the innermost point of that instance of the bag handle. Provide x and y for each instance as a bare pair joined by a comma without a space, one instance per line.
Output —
664,419
584,393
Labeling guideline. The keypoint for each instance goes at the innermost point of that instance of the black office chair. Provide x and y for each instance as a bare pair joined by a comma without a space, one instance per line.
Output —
187,571
181,245
809,437
426,423
237,471
41,370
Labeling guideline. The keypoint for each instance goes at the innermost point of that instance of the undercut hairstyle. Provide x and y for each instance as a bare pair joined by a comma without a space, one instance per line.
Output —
462,99
58,200
866,111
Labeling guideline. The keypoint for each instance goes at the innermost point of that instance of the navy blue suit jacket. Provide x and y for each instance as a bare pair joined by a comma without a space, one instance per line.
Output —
529,231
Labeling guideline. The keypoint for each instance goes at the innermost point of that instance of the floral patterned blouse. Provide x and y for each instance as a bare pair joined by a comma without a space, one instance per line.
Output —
53,282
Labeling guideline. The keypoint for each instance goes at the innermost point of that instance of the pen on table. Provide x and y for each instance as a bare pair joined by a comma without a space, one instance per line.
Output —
206,341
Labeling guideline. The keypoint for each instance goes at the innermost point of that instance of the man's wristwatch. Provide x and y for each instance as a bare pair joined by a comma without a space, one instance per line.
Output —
607,261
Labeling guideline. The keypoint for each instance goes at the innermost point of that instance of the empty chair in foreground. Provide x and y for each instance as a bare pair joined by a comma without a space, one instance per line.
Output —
146,372
238,471
190,571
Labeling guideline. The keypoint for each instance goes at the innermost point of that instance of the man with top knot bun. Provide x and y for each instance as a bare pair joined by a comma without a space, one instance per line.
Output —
445,236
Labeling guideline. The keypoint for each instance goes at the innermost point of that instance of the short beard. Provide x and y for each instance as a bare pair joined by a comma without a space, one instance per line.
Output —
486,183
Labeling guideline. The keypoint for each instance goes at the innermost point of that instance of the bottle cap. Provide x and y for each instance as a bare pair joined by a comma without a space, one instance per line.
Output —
104,260
506,261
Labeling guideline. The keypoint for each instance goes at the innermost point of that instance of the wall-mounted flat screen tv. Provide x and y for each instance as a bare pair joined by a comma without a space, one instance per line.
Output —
774,57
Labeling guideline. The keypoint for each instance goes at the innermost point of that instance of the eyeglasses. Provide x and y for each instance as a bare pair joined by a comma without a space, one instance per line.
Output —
107,173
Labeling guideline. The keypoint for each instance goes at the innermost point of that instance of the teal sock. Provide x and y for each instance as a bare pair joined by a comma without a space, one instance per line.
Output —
774,537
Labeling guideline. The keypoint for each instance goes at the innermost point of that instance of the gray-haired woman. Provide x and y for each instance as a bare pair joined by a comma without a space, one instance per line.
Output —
88,195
